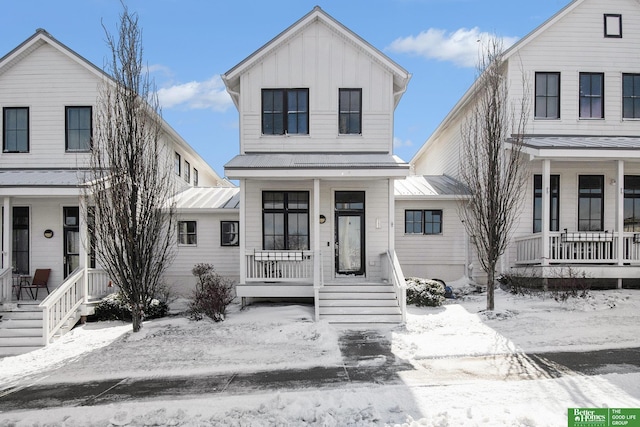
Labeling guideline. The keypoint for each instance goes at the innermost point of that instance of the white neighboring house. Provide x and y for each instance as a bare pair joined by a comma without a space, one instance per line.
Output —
317,170
48,95
582,205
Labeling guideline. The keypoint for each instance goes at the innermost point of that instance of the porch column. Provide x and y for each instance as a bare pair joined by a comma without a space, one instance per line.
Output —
392,215
6,233
546,210
620,213
316,232
243,234
85,244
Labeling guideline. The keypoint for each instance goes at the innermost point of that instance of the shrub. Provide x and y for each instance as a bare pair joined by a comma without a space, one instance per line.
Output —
113,307
212,295
424,292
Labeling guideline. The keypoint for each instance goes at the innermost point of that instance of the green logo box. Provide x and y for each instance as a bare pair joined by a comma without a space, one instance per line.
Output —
603,417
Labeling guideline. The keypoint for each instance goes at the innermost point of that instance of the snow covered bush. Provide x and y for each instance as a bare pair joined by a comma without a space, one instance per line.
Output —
424,292
212,295
114,307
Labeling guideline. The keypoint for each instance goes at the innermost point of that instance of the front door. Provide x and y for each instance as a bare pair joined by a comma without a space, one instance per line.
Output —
349,232
71,229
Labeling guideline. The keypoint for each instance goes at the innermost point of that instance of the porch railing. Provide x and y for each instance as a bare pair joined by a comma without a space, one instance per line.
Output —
529,249
62,303
393,273
573,247
279,266
6,284
99,283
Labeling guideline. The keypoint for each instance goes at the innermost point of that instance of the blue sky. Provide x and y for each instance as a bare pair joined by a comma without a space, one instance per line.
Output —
188,44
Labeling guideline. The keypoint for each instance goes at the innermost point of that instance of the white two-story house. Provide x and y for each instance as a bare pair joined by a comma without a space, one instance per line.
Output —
317,170
582,205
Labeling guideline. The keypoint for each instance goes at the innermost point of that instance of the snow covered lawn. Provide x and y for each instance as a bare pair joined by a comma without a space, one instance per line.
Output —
441,343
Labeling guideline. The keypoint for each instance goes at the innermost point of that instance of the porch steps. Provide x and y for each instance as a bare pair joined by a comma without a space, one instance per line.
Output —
20,328
359,303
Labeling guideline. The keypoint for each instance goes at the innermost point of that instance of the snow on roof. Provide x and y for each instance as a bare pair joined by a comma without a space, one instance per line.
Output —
436,186
204,198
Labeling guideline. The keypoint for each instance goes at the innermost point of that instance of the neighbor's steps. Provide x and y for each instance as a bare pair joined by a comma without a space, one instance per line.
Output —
351,302
20,328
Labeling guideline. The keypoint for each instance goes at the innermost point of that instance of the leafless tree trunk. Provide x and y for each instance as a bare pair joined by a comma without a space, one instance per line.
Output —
132,178
492,165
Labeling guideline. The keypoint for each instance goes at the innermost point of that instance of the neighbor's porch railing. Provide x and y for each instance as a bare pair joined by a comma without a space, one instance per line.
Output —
574,247
279,266
392,271
98,283
6,283
63,303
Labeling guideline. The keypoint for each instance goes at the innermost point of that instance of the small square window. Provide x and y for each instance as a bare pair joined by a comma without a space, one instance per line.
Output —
187,233
229,233
613,25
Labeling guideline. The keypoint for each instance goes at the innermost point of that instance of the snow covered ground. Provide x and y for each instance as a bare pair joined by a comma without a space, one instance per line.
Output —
470,366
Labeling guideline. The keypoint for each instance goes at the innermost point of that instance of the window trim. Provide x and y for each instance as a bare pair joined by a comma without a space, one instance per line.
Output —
187,171
423,222
590,96
195,177
66,129
602,195
349,112
187,234
285,210
546,96
5,129
177,164
606,25
285,111
553,187
223,233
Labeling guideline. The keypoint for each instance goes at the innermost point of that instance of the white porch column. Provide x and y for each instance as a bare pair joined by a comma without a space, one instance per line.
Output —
243,234
546,209
6,233
316,232
620,213
84,244
392,215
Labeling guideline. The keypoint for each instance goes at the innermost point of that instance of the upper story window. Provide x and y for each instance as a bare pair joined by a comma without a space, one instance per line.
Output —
177,164
350,111
613,25
547,96
591,95
15,138
187,171
285,111
195,177
631,96
78,128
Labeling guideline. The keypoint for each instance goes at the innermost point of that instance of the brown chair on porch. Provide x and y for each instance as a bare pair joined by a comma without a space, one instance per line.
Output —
40,280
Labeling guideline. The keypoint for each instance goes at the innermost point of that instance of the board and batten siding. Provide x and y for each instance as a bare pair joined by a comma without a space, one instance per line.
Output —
321,60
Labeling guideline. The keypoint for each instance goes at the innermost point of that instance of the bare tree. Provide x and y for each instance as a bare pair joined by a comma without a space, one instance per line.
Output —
492,166
132,179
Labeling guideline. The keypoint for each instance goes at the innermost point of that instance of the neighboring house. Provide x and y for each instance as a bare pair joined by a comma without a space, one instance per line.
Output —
582,205
317,170
48,96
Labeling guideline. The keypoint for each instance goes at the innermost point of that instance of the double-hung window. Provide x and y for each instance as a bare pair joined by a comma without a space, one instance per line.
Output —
285,220
187,233
350,111
285,111
177,164
591,95
20,246
547,96
78,128
187,171
229,233
590,203
554,199
15,138
631,96
632,203
423,221
195,177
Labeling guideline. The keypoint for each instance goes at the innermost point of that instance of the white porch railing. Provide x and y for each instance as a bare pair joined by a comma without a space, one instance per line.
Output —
529,249
631,248
572,247
6,284
279,266
99,283
392,271
62,303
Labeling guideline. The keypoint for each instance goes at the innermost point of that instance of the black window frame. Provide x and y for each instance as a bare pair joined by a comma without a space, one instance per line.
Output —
587,193
187,171
631,96
607,34
631,203
346,114
68,130
187,233
6,129
284,114
177,163
285,206
554,200
20,255
227,236
196,178
422,222
543,100
588,97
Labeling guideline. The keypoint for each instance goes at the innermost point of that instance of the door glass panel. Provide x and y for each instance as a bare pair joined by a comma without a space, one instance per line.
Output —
349,247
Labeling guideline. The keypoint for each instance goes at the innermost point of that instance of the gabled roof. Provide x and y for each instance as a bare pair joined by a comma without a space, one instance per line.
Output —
231,78
468,95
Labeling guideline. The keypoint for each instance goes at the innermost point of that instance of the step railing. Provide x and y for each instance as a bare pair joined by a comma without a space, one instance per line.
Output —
394,275
62,303
99,285
6,284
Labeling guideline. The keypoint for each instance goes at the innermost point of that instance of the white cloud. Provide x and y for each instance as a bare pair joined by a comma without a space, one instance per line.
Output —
209,94
462,47
397,142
